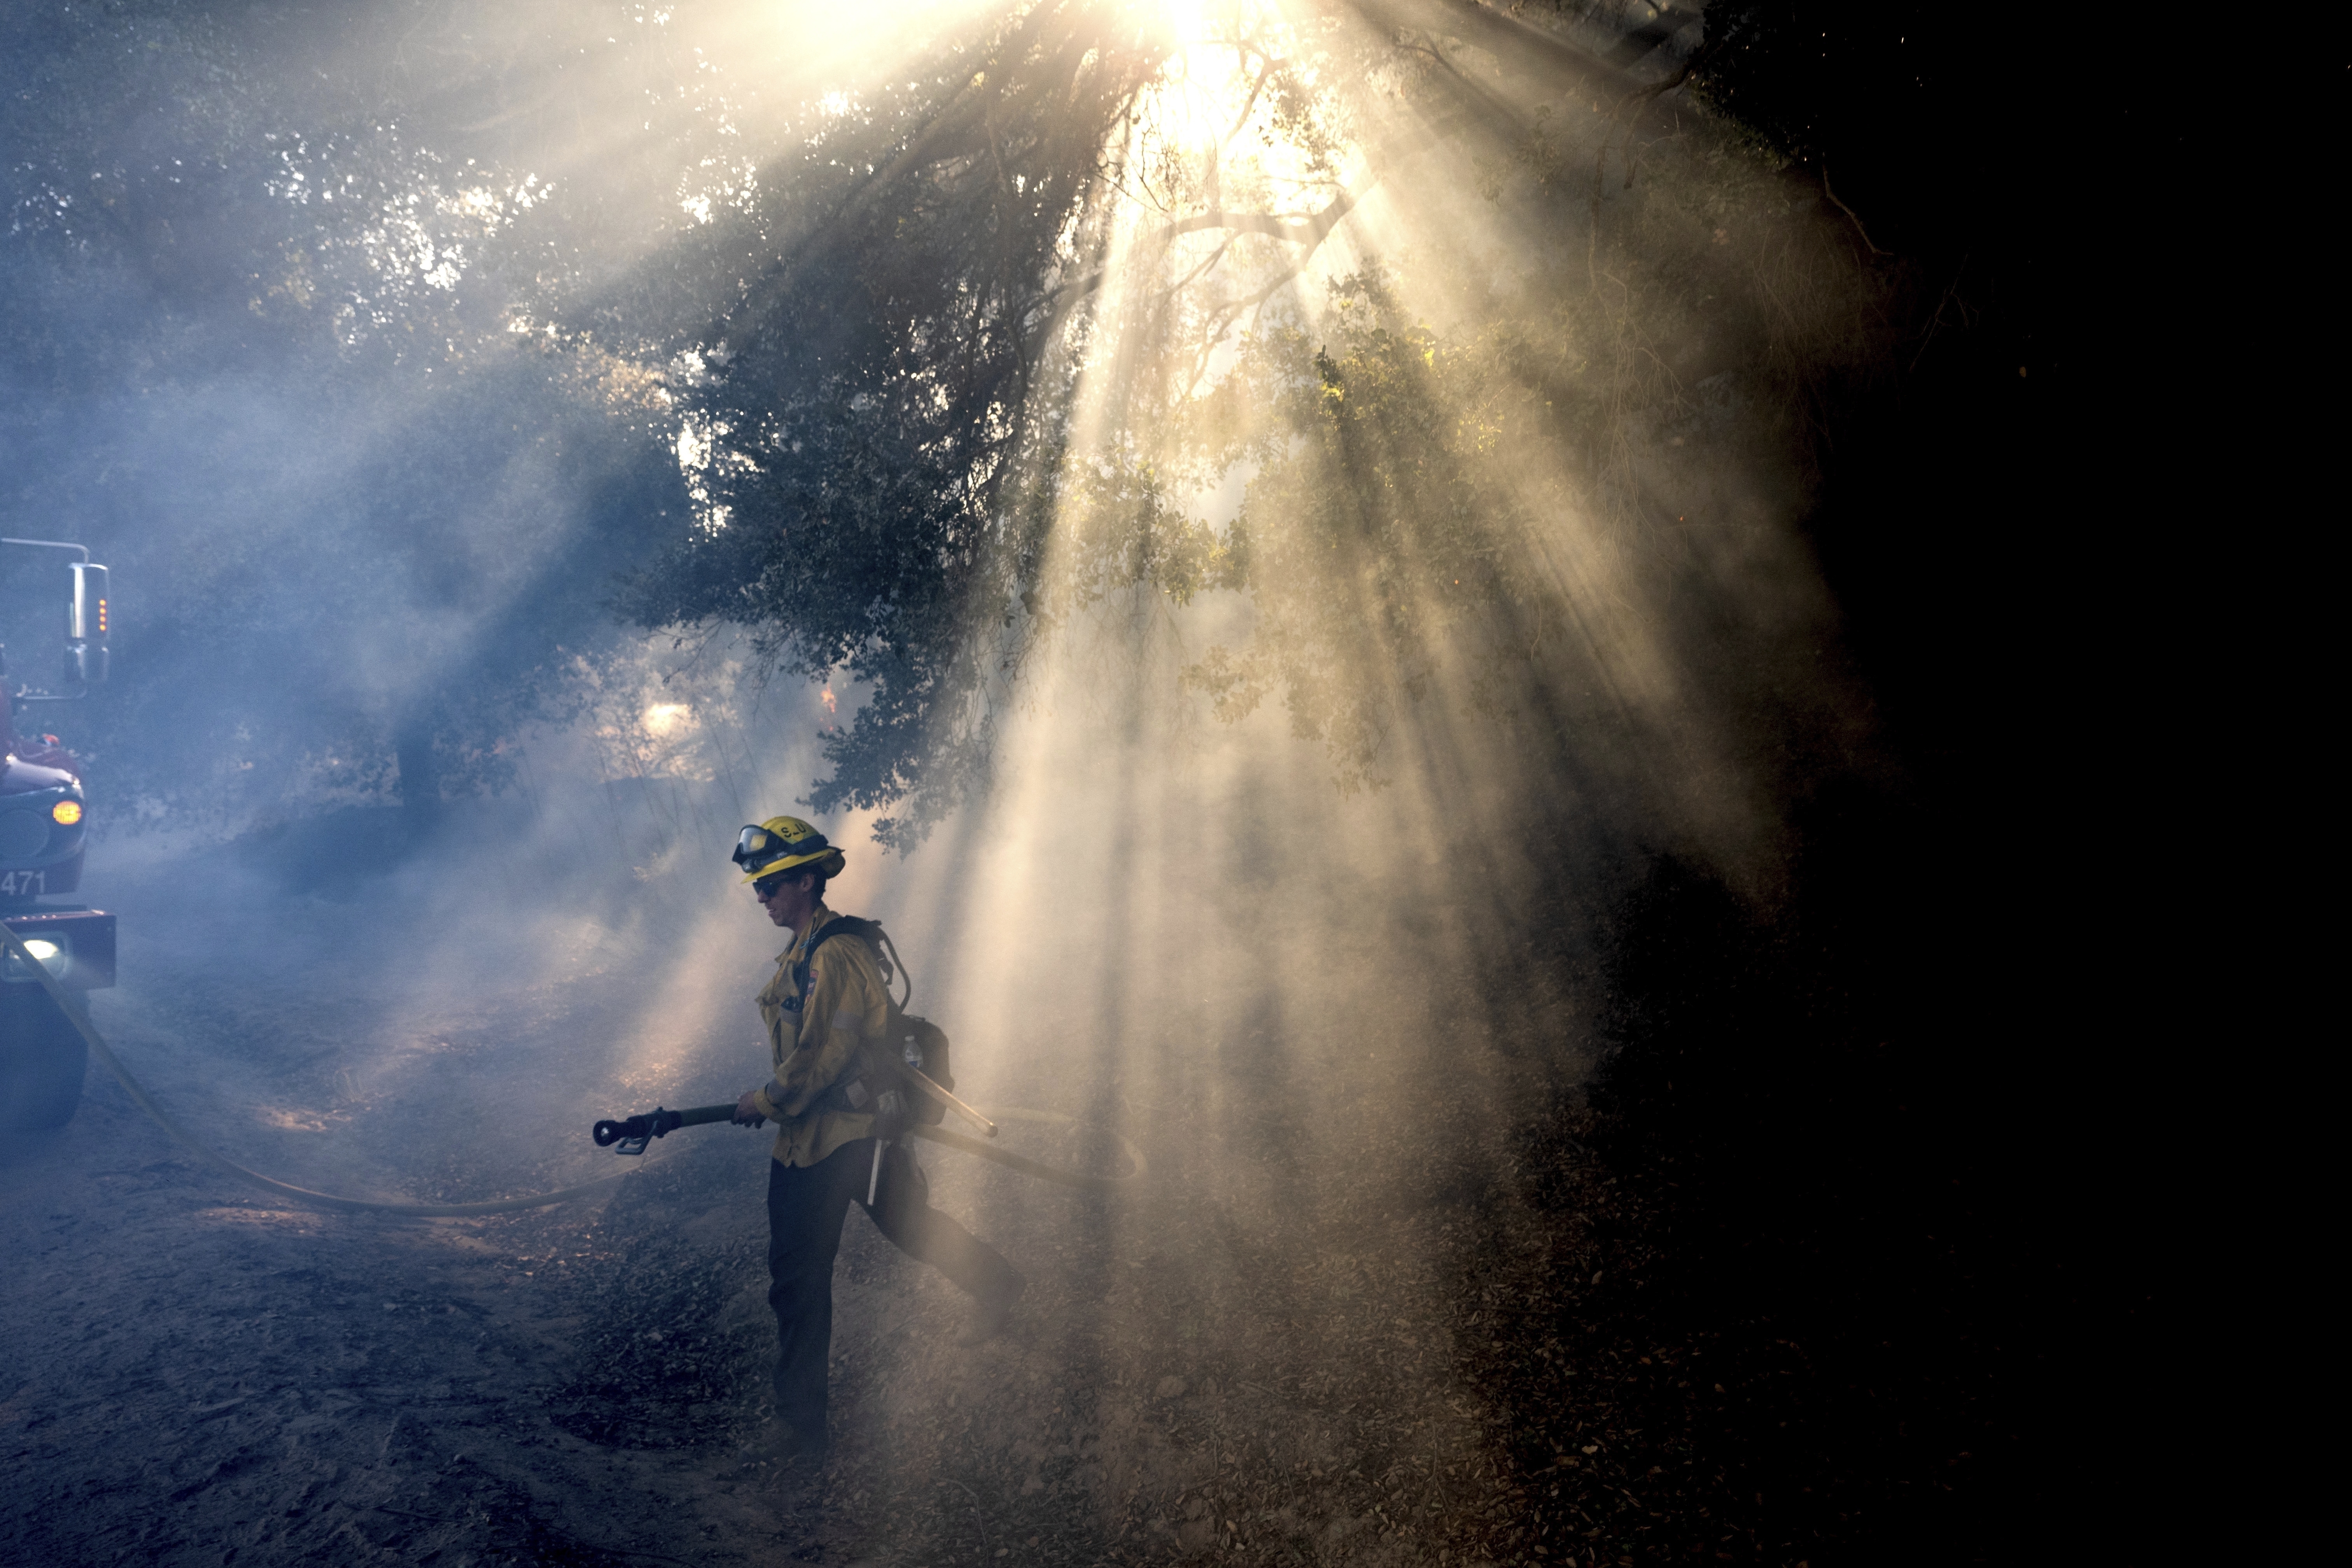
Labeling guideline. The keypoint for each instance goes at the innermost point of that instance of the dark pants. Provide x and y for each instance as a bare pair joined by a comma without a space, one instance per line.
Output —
806,1205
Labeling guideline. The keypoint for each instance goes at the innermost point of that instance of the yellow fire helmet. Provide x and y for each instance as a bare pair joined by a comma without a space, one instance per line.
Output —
782,844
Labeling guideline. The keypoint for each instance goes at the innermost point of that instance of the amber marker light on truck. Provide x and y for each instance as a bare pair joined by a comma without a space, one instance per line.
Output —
66,813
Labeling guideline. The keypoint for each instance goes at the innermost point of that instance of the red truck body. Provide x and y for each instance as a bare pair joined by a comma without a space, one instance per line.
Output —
44,837
40,855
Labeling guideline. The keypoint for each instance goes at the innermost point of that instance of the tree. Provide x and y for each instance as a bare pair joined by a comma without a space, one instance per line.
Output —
377,414
1013,313
263,356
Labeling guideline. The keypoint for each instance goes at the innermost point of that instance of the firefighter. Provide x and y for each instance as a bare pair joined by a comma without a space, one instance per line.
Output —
827,1001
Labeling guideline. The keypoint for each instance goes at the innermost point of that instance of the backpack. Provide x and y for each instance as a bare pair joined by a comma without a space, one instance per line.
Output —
908,1042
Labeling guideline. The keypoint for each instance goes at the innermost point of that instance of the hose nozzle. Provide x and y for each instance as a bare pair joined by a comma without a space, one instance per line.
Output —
634,1134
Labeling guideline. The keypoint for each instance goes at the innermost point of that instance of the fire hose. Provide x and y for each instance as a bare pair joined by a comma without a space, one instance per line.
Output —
658,1124
76,1016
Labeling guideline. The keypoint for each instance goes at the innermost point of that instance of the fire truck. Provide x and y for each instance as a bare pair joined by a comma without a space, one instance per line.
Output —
44,832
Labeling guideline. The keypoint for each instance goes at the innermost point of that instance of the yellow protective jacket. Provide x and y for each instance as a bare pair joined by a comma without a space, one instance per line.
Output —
815,1045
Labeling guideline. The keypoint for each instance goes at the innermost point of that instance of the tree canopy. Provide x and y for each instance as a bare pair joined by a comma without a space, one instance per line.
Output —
375,375
1014,314
259,332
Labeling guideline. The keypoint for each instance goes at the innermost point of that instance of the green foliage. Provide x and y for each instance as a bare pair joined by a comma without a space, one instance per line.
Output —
894,394
1378,527
884,492
1005,319
260,351
1022,312
1462,509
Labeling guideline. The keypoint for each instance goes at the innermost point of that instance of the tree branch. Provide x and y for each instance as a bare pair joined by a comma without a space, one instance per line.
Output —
1849,212
1309,231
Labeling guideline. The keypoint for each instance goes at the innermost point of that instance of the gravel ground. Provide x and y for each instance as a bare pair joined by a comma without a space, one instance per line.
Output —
1381,1326
1232,1355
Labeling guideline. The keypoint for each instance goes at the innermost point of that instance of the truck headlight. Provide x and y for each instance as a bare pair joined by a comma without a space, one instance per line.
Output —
48,954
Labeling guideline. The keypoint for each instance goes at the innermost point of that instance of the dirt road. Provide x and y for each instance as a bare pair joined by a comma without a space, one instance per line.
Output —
1430,1333
203,1373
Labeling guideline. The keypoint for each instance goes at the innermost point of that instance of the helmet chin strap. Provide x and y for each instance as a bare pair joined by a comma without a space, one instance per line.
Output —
799,918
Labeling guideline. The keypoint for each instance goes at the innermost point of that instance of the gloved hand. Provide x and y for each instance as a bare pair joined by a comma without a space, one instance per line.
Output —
890,1116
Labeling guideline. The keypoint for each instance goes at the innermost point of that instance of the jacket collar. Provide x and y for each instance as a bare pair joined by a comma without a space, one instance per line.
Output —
817,920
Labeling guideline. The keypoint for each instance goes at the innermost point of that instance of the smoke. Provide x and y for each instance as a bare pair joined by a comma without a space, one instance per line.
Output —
1297,871
335,342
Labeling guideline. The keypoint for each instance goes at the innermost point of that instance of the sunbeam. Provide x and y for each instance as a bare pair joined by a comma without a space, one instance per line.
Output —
1281,544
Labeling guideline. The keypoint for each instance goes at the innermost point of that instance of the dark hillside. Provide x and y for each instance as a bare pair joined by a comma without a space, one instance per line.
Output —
1879,1152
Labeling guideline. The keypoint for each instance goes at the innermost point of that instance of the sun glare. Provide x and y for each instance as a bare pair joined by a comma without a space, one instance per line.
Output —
1212,101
